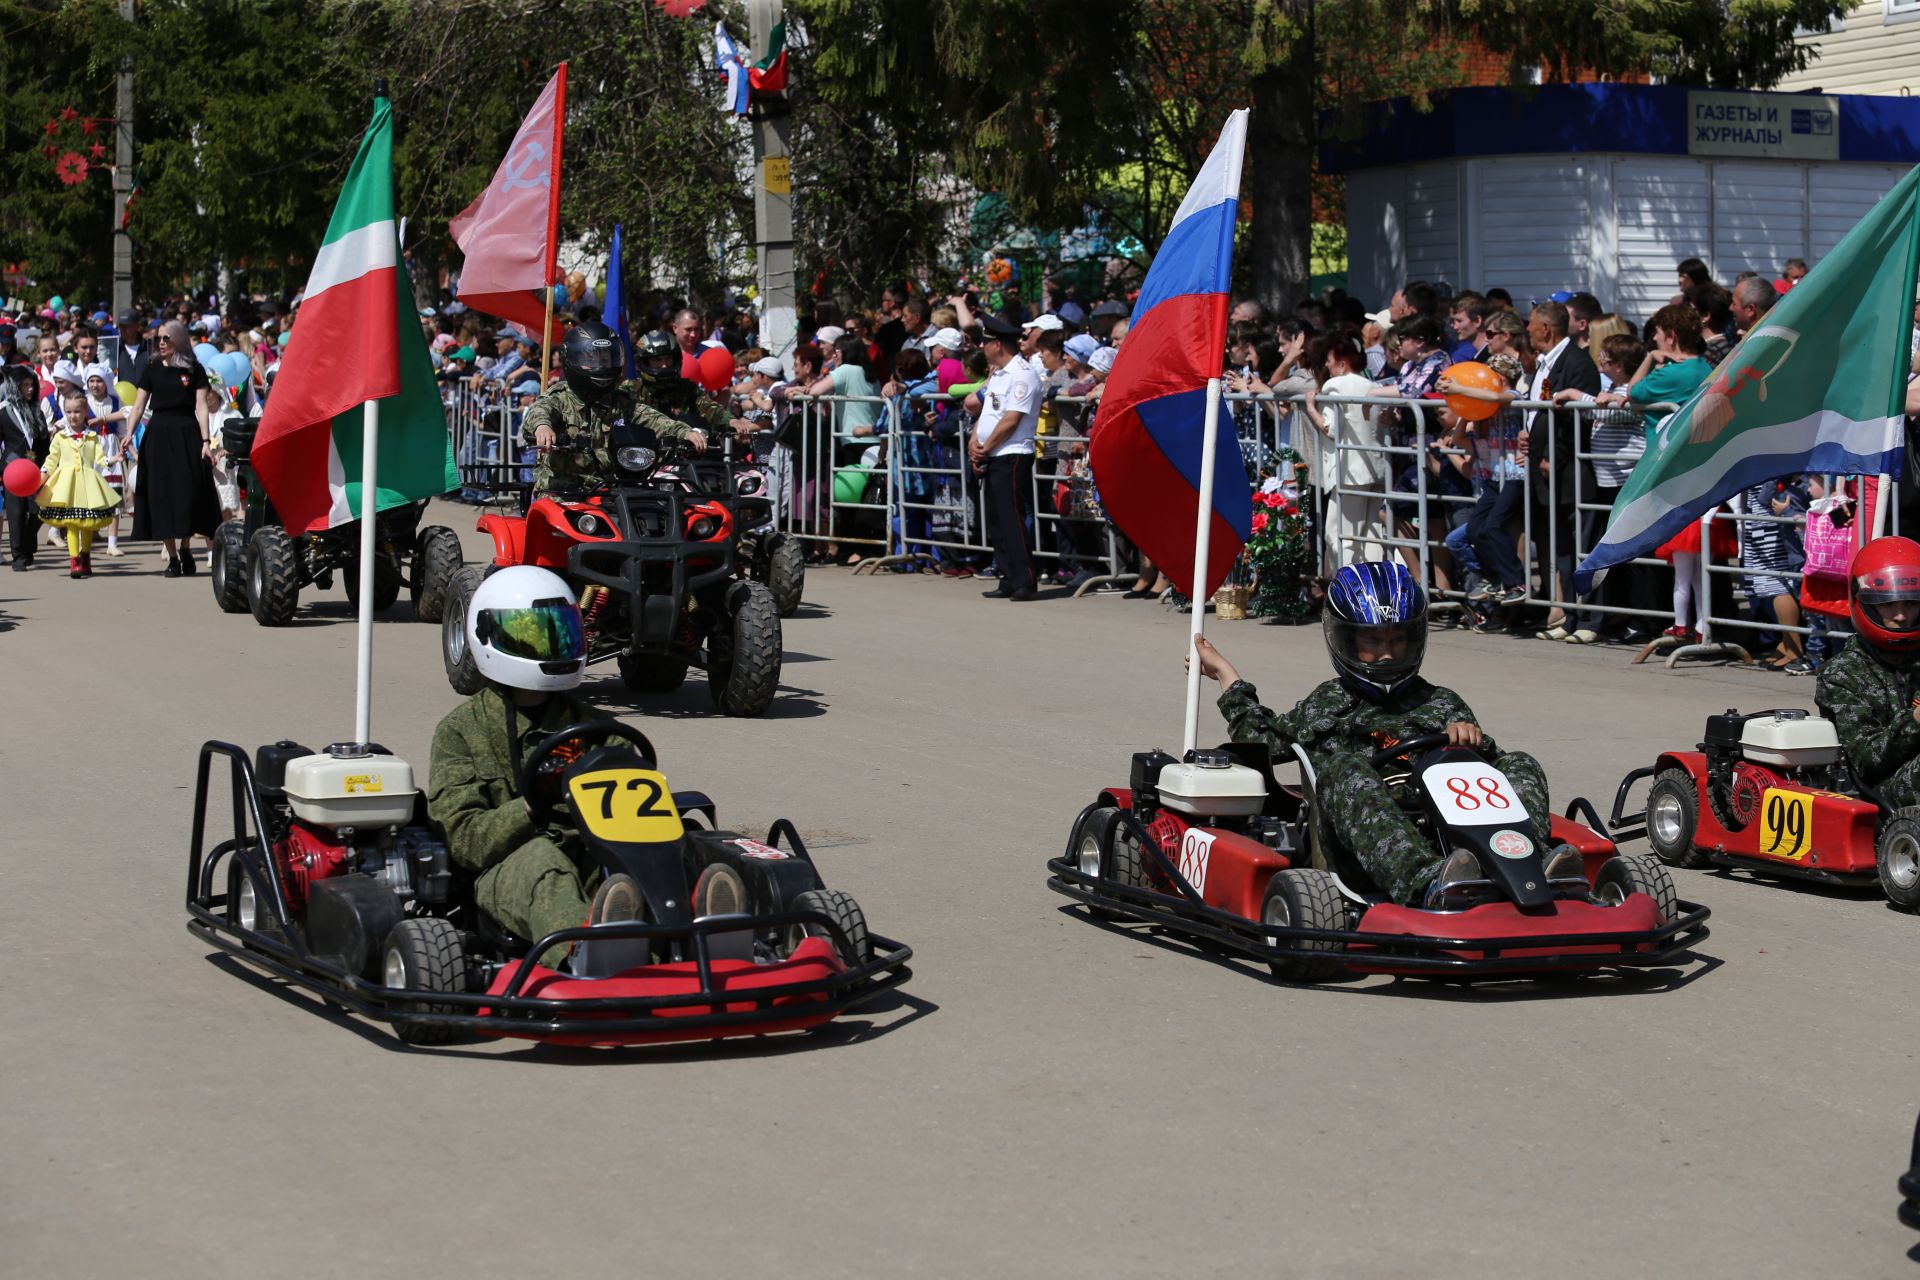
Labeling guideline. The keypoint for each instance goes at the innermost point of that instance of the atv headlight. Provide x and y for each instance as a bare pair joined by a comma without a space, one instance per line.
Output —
703,528
634,457
591,525
750,483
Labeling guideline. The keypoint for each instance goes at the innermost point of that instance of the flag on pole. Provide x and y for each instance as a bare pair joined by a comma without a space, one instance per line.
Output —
1818,385
360,341
731,63
1146,452
613,309
769,74
511,231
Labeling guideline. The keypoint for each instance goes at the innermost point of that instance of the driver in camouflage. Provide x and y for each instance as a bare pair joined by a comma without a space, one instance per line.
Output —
1375,623
663,389
526,636
572,424
1871,691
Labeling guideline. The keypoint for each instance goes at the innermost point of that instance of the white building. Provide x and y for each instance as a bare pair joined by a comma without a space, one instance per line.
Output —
1874,49
1606,187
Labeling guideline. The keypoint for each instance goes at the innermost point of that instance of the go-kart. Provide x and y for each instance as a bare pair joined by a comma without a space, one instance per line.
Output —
654,557
1769,792
1215,848
767,553
334,880
260,568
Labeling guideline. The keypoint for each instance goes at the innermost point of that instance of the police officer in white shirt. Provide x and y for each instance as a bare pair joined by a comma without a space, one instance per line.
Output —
1007,410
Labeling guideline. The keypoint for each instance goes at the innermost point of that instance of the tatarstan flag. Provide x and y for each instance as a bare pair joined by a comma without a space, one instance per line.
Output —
359,341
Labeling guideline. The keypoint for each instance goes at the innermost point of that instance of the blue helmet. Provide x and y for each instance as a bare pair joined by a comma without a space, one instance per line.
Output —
1375,622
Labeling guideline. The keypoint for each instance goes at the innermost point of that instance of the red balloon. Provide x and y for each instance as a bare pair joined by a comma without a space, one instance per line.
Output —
689,366
716,368
22,478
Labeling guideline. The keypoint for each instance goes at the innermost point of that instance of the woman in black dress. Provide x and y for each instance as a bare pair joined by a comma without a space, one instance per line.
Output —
174,497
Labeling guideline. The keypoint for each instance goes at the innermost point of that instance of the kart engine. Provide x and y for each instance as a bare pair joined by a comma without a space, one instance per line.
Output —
1747,753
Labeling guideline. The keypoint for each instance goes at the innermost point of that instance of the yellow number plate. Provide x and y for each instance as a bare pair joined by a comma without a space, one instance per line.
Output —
628,806
1786,824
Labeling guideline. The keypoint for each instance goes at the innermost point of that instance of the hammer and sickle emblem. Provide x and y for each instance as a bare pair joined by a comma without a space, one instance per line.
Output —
530,155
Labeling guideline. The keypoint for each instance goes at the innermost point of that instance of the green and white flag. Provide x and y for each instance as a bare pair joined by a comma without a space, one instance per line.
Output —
1818,386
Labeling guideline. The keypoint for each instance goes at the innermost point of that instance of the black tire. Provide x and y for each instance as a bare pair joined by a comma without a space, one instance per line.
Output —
1304,898
1108,849
649,673
246,909
229,572
840,908
437,558
424,954
273,576
720,891
743,670
786,572
387,581
1626,873
462,674
1896,856
1673,815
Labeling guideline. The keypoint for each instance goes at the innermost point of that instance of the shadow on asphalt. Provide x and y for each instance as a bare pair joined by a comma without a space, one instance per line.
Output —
1602,982
8,620
692,701
856,1026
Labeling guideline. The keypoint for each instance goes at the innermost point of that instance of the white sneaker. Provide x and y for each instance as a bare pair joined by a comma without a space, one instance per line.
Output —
1584,636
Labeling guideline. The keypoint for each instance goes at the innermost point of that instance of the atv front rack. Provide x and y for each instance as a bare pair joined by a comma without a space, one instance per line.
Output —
1186,913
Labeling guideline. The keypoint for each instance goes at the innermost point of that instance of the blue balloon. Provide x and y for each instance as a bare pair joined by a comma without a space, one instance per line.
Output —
559,296
233,368
206,353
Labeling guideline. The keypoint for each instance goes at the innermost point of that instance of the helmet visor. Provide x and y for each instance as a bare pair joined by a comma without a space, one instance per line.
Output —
1384,654
1889,595
545,631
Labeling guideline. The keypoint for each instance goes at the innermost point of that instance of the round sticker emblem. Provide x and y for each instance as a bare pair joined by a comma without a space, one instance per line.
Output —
1511,844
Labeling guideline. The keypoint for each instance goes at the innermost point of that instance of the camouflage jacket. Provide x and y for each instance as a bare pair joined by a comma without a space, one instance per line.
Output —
683,401
470,776
582,454
1870,701
1333,720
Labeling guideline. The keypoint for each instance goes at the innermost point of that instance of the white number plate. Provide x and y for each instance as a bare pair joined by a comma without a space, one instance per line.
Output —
1473,795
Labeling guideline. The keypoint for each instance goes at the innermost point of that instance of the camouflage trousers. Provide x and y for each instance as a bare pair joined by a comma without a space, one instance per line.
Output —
1364,829
1901,789
534,891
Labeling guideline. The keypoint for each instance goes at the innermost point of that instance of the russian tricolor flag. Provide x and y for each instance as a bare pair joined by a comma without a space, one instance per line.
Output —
1148,450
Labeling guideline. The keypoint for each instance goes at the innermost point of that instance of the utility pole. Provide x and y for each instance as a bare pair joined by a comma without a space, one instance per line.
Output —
772,197
123,180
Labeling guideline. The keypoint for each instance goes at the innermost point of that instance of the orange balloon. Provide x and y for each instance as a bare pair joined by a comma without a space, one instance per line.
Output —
716,368
1471,373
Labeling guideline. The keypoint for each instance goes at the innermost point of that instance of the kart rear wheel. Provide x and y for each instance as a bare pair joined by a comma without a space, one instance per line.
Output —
786,572
743,665
1304,898
386,581
229,571
1673,815
1627,873
462,674
245,908
273,576
720,891
1108,850
1896,856
436,559
424,954
840,908
649,673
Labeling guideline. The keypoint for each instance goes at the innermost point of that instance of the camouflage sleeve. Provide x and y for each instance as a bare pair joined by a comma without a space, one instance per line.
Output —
1446,707
659,423
713,413
480,831
1878,736
539,414
1249,721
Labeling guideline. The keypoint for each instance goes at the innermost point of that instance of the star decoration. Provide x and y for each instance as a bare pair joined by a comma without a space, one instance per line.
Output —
98,151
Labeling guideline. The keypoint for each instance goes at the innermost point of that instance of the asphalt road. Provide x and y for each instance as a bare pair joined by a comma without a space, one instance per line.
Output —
1051,1097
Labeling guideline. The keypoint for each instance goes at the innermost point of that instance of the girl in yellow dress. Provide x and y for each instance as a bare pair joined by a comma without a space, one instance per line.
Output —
73,496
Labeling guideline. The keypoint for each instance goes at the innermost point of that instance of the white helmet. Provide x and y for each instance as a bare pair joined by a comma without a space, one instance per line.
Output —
525,631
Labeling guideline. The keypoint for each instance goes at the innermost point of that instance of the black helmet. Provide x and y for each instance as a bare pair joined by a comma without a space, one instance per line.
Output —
591,360
657,355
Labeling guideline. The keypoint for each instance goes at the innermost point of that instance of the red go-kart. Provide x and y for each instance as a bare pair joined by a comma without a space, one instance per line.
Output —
1213,847
1769,792
335,881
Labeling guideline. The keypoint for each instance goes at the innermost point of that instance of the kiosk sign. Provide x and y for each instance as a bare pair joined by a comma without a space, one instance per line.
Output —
1782,126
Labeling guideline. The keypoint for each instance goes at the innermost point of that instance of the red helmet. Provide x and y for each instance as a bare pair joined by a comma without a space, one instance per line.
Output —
1885,573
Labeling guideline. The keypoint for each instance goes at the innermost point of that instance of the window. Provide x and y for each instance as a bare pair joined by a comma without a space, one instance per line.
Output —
1899,10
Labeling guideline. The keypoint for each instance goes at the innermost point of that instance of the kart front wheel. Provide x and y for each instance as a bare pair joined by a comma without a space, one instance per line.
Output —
229,570
1629,873
1304,898
1108,850
853,945
424,954
436,561
1673,815
462,673
1896,856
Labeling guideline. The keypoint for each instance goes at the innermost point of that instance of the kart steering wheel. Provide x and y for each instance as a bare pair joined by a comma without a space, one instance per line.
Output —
547,761
1415,746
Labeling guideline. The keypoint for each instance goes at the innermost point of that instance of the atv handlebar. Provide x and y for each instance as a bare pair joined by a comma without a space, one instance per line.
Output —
541,762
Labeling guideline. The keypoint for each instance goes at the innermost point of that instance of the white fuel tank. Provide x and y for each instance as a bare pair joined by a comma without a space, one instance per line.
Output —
350,791
1212,790
1790,744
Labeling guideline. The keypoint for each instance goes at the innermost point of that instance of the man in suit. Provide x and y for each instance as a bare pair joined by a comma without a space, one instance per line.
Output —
23,434
1552,438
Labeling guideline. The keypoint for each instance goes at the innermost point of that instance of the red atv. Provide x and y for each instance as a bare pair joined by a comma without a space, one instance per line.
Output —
1769,792
655,558
1213,847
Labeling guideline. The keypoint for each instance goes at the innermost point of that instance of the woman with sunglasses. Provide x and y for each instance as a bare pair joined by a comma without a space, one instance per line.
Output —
174,497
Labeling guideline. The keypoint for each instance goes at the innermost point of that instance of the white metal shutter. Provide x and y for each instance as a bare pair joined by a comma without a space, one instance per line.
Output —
1535,226
1841,196
1431,223
1376,248
1662,210
1759,217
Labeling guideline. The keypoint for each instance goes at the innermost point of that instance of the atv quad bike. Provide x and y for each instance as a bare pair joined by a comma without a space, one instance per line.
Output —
767,553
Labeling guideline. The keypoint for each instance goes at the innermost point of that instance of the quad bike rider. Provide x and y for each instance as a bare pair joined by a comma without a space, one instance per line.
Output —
1871,691
572,424
1375,624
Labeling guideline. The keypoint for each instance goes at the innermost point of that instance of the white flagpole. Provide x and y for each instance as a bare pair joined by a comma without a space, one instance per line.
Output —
1201,535
369,550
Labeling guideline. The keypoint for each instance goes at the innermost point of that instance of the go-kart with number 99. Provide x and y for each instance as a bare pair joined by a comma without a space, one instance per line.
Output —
334,879
1213,847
